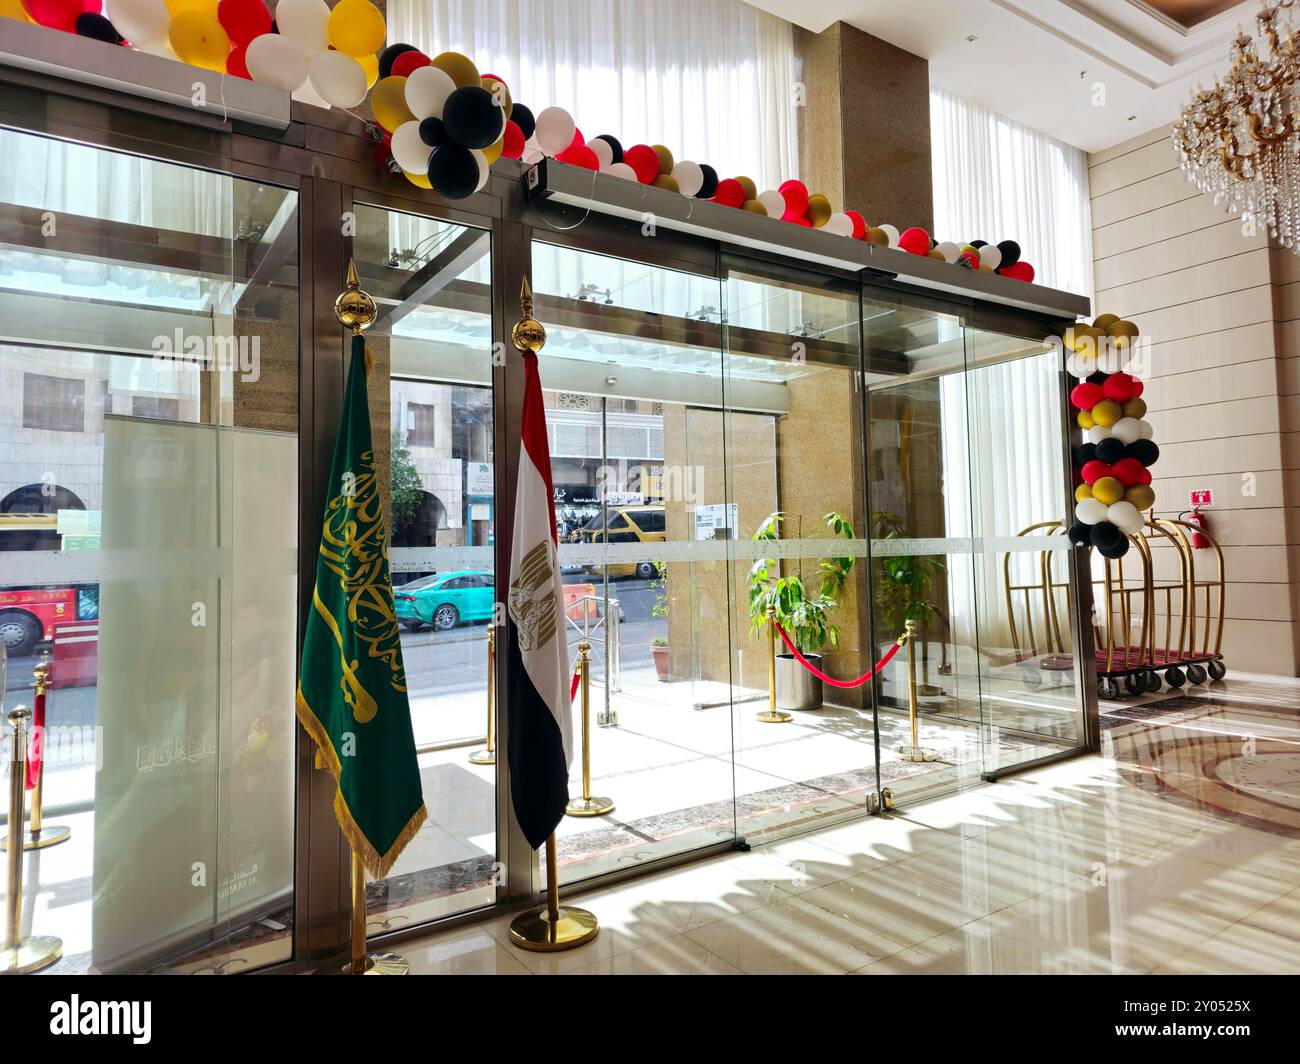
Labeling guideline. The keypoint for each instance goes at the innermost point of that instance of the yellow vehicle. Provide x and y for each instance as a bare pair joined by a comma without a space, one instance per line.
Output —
626,524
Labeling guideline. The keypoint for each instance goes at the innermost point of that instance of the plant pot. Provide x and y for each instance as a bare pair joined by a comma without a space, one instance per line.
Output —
660,654
796,687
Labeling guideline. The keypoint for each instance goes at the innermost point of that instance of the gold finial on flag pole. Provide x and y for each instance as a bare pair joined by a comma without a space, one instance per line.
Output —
354,308
528,335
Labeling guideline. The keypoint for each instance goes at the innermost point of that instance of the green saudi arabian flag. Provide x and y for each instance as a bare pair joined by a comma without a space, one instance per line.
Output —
352,685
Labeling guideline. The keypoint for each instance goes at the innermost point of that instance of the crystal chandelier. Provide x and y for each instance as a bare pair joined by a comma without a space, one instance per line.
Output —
1240,140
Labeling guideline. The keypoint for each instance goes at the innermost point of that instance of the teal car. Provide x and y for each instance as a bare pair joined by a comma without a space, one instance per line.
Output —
445,600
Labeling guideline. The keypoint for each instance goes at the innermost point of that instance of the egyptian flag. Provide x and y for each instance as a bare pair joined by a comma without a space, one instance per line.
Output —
539,746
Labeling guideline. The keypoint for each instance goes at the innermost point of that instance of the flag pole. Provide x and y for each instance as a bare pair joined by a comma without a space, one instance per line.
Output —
355,310
553,927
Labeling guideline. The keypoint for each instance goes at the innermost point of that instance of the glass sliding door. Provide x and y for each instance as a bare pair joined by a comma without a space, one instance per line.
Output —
148,549
432,410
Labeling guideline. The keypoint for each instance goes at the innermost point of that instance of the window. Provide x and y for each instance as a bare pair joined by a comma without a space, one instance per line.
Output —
419,424
54,403
650,520
154,407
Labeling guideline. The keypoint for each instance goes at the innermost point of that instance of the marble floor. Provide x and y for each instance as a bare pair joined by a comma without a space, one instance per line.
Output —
1175,850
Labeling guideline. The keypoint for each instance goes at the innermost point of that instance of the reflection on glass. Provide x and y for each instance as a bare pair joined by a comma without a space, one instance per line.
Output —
148,422
432,341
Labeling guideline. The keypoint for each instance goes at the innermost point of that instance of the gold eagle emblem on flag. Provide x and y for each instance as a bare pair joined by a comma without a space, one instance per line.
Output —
532,598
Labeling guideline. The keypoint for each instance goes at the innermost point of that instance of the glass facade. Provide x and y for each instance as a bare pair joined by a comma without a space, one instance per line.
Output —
728,429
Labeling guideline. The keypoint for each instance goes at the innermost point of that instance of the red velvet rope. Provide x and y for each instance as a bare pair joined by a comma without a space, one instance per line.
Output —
889,656
36,747
577,679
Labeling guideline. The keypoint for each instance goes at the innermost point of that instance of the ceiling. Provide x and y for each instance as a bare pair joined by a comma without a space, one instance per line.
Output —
1091,72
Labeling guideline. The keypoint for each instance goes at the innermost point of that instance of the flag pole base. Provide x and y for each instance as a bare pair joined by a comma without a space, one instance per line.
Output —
483,757
46,836
30,955
535,931
773,716
589,806
375,964
916,754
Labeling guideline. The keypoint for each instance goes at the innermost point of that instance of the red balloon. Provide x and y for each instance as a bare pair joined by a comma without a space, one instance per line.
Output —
513,146
1146,477
1085,396
916,240
237,62
57,14
243,20
973,261
1128,471
643,160
1093,471
1018,271
795,194
731,193
859,225
578,139
799,221
408,62
1119,387
579,155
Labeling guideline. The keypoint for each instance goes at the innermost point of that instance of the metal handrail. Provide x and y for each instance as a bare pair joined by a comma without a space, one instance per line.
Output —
612,640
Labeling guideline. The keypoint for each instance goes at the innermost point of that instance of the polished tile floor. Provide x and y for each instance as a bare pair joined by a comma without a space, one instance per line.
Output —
1176,850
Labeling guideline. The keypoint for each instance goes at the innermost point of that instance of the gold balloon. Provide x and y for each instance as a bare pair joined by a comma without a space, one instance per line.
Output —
1108,490
1104,321
175,7
388,102
500,92
1141,495
1085,420
419,180
356,28
1106,413
755,207
14,9
370,64
751,189
935,253
876,235
1122,328
669,182
1083,491
198,39
1135,407
666,162
460,68
493,151
819,210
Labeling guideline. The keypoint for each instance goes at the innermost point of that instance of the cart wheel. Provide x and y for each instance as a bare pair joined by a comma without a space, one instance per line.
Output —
1135,683
1196,674
1174,677
1033,679
1152,679
1218,670
1107,688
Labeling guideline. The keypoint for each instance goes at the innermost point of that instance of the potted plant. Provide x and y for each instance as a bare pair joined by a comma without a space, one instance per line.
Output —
806,617
659,644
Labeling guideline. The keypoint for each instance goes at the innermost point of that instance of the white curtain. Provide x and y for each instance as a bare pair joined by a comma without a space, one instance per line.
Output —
995,179
711,79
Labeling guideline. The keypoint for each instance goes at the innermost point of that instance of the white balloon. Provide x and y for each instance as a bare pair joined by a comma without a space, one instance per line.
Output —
603,151
305,93
555,130
690,177
1124,516
532,156
484,169
891,232
275,60
161,48
1090,511
839,223
951,252
622,170
1098,433
338,79
991,256
1126,430
141,22
409,151
1145,431
306,23
427,89
773,201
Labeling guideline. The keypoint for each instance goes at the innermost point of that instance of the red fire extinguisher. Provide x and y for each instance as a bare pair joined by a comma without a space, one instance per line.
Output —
1199,541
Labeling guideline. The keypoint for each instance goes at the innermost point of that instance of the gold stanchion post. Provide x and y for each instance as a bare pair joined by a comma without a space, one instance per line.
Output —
488,755
554,927
587,805
21,955
39,834
772,715
914,752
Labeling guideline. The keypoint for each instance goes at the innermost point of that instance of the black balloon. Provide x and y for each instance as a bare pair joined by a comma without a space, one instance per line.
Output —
979,243
1080,534
1010,253
1116,551
710,187
96,26
472,118
1085,454
1106,536
1098,378
523,118
614,146
1110,450
1145,451
453,171
433,133
386,58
